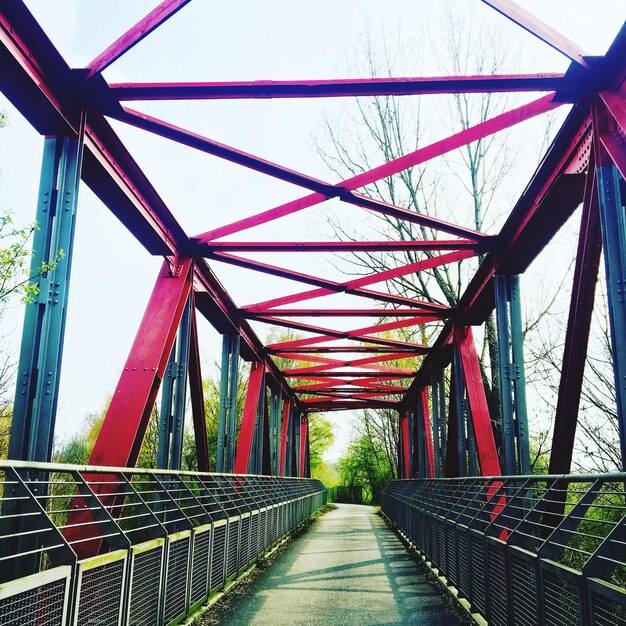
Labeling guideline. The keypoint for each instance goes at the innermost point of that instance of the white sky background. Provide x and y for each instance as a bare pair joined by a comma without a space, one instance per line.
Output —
112,275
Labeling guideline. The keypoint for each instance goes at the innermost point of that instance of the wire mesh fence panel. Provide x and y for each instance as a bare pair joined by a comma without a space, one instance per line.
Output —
140,547
218,556
199,586
100,590
145,586
522,549
176,578
38,600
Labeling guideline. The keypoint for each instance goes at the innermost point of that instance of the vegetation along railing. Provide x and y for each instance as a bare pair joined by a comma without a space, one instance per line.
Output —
109,546
522,550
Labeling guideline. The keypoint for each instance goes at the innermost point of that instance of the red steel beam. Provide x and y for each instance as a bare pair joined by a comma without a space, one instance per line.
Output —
578,328
536,27
284,433
429,315
358,334
615,102
124,427
197,397
428,433
481,420
248,420
321,376
348,246
439,148
338,88
304,434
134,35
341,349
353,287
325,190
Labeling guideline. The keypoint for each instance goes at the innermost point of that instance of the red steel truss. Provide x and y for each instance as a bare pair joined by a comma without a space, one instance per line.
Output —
368,369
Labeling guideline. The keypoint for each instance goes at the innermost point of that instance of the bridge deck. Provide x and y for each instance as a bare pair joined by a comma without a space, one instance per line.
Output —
348,568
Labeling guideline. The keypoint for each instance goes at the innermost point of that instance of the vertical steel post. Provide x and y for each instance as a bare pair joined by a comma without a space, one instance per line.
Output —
613,222
274,425
229,382
165,416
180,389
437,419
515,443
460,413
418,419
37,389
282,469
256,458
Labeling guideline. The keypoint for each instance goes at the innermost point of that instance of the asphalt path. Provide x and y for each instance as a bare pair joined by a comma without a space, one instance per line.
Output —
347,568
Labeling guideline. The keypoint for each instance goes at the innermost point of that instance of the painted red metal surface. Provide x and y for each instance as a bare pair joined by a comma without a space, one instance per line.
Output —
284,434
197,398
481,420
134,35
428,433
248,420
577,333
348,246
537,28
122,433
439,148
337,88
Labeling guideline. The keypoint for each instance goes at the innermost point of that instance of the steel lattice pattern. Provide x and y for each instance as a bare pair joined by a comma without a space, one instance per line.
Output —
144,599
176,580
100,597
41,606
158,542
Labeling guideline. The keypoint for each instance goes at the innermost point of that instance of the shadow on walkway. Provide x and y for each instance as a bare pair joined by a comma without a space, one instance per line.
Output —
348,568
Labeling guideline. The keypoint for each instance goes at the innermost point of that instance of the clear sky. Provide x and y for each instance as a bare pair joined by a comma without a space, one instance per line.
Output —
112,274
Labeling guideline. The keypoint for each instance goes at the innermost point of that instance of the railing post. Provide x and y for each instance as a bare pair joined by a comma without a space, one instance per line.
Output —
229,382
37,388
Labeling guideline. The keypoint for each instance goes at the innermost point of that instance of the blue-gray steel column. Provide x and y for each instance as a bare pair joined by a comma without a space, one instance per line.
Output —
229,381
459,397
439,420
275,407
419,440
513,412
255,463
174,397
613,220
37,388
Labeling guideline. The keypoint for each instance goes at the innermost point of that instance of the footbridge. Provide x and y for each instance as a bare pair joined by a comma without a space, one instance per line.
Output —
109,543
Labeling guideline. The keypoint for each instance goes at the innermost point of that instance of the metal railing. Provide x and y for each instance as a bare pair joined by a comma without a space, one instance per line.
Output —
101,546
522,550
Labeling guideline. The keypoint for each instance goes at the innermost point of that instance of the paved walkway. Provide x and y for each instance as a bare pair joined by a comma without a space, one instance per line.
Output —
348,568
